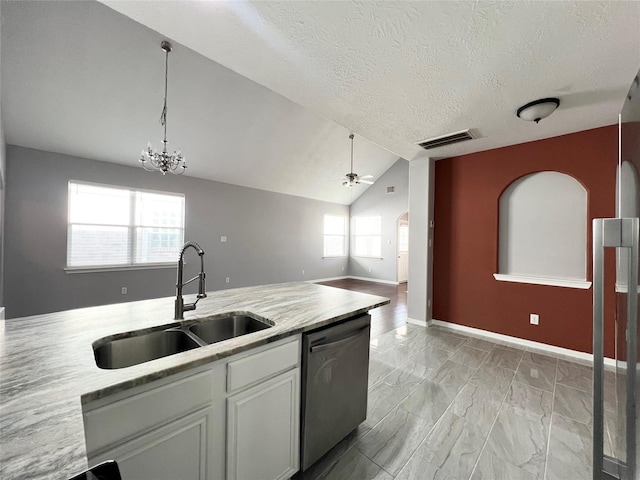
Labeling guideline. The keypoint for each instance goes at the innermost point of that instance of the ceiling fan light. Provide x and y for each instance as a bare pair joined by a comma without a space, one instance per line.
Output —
352,179
538,109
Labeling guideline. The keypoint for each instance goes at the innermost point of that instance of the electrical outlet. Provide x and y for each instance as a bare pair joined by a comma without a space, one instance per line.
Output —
534,319
343,269
124,290
227,280
223,239
303,272
369,269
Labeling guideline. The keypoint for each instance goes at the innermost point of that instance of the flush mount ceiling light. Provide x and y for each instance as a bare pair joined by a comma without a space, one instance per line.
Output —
163,161
538,109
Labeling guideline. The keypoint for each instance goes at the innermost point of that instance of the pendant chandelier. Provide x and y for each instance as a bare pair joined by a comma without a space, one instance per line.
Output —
163,161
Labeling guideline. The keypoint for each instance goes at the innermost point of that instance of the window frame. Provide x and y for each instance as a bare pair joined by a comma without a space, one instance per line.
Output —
354,234
344,236
131,230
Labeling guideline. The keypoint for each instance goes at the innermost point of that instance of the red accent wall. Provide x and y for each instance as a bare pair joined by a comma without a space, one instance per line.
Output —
467,193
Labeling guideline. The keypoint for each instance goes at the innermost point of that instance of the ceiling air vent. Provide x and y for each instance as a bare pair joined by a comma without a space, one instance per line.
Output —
448,139
391,189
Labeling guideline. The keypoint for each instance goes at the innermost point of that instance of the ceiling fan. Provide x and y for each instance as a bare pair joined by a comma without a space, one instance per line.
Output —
351,179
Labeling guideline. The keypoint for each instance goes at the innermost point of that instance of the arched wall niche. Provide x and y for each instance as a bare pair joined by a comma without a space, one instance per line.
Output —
542,236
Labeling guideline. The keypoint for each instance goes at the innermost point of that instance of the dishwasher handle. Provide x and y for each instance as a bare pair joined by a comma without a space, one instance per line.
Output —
327,346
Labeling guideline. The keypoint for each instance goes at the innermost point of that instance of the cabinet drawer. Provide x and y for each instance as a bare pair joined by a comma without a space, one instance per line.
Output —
119,420
260,366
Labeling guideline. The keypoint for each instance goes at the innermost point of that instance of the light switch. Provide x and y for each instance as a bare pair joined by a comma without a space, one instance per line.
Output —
223,239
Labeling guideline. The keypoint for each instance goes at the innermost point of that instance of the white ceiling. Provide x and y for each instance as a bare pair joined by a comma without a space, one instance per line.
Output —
78,78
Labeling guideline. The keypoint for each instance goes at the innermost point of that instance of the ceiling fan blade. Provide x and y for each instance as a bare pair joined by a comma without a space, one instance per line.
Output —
366,176
369,182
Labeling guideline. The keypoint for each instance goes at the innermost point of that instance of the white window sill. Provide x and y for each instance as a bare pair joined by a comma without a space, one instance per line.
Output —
119,268
334,256
624,288
366,256
554,282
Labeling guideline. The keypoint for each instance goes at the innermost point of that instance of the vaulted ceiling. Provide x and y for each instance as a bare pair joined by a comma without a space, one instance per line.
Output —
264,94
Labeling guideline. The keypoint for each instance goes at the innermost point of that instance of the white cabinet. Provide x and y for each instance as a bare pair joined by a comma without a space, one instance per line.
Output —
169,429
262,429
235,418
183,441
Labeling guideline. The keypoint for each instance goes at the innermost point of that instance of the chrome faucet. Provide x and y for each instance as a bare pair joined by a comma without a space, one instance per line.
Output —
180,306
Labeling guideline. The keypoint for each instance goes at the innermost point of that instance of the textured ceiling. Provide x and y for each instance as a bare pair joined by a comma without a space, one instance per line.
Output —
398,71
81,79
393,72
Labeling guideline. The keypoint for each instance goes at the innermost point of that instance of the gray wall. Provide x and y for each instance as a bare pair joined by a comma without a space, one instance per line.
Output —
421,205
271,237
376,201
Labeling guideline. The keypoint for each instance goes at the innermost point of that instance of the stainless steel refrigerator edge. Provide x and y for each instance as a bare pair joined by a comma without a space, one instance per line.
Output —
616,392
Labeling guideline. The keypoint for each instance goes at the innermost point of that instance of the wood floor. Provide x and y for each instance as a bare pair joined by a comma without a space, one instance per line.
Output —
385,318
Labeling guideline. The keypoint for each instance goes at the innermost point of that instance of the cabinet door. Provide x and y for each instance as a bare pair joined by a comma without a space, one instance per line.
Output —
176,450
263,430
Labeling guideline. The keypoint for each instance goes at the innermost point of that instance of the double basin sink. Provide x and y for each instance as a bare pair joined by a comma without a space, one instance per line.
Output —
133,348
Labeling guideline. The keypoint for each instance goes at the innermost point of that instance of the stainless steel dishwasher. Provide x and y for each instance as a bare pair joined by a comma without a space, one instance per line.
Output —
335,371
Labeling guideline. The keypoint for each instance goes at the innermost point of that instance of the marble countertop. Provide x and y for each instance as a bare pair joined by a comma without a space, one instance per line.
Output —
47,368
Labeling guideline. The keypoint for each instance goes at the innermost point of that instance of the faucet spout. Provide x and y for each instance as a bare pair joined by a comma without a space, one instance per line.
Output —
180,306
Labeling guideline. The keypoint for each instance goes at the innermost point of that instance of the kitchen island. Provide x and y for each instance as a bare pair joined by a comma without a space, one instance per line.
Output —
48,371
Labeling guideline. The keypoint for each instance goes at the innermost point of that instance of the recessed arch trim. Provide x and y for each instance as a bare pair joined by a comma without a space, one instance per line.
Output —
543,231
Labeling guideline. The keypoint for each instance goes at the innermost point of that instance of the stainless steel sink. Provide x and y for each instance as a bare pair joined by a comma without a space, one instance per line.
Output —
135,349
219,329
124,352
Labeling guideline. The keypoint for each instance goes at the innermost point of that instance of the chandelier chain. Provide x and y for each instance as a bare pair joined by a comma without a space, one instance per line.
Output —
163,115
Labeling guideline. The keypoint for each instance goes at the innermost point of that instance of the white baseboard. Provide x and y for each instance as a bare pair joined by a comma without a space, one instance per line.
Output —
420,323
375,280
318,280
366,279
581,357
1,313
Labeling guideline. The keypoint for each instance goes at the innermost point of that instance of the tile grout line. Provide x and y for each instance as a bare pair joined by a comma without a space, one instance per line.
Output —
553,407
371,427
504,398
398,405
439,418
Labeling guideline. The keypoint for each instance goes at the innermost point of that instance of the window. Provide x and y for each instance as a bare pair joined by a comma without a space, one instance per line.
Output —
367,236
335,236
112,226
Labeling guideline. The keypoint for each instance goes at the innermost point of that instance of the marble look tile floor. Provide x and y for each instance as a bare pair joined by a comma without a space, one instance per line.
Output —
446,406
